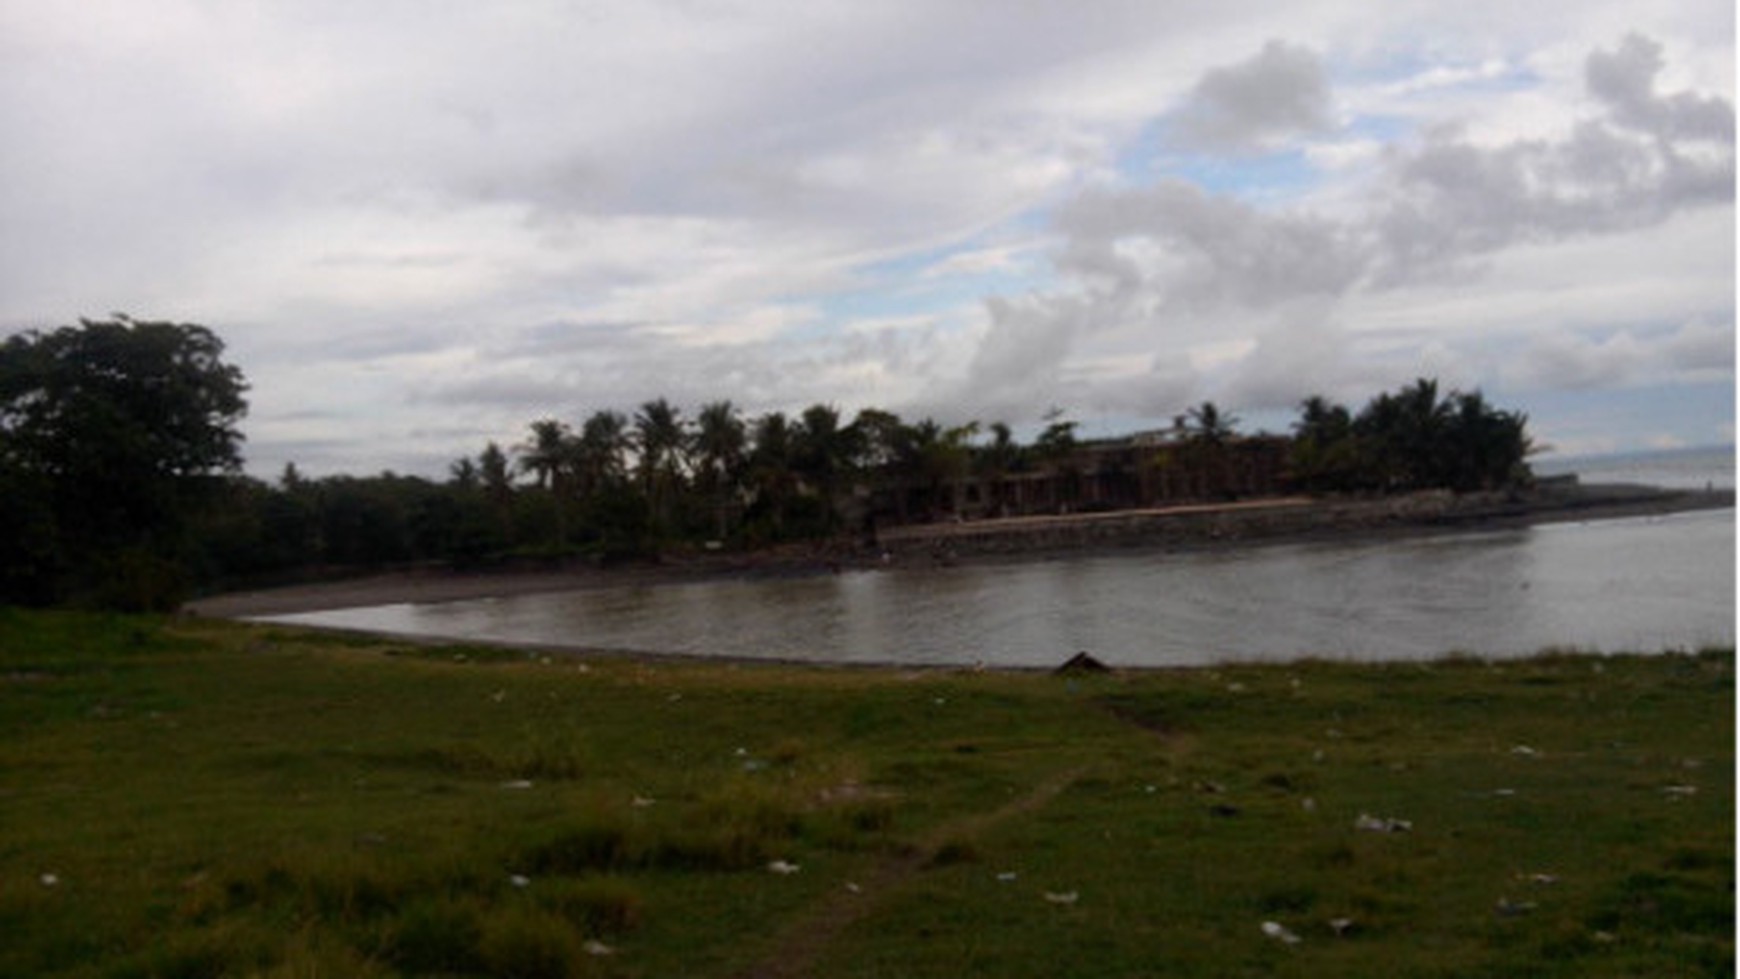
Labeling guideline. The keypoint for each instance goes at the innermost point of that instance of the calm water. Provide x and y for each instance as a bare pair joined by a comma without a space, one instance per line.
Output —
1636,584
1697,468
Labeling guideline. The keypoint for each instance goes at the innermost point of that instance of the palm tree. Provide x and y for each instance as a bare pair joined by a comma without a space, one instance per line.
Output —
718,448
1405,431
994,462
1207,433
1057,441
462,474
548,455
600,451
544,454
771,474
935,459
663,444
822,453
1208,426
492,471
880,441
1487,448
1325,453
492,466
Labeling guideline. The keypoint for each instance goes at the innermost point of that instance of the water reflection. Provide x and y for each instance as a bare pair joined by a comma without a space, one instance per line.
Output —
1613,585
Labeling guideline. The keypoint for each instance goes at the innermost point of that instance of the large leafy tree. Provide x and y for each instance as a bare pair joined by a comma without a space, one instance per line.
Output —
108,433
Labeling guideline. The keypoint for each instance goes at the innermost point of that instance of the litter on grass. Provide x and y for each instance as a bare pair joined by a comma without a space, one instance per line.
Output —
1279,932
1382,824
1061,897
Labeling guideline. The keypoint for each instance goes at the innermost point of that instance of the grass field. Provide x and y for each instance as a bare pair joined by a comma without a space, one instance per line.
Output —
185,798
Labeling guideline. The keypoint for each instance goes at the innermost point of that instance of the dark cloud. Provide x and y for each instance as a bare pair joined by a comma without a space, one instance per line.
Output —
1624,78
1280,93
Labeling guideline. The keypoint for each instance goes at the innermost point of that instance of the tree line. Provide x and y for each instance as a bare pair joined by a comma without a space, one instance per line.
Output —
121,468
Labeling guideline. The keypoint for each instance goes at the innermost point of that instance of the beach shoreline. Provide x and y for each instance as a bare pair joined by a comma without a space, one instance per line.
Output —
1191,528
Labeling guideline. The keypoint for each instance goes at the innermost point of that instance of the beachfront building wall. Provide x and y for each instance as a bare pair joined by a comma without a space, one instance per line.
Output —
1137,472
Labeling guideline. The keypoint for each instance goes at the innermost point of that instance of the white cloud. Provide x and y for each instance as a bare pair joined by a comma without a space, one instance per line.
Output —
1430,236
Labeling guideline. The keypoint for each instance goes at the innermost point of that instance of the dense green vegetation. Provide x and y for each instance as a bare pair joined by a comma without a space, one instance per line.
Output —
120,458
188,799
111,438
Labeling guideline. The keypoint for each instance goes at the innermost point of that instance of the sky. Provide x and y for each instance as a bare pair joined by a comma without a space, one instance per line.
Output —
420,226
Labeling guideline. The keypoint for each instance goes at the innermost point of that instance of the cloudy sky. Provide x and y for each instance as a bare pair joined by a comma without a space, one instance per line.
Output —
420,225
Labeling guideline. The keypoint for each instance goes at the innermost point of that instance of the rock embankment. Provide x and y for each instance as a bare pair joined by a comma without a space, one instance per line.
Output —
1287,518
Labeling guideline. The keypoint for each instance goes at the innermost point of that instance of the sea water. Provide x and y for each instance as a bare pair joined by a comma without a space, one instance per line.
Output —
1641,584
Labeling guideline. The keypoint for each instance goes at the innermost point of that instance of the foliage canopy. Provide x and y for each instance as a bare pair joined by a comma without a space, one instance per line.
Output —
107,432
119,459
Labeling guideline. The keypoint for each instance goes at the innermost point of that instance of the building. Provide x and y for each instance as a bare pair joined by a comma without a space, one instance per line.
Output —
1150,469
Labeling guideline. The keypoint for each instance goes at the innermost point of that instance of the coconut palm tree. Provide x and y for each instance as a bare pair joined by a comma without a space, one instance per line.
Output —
1208,425
822,454
600,451
718,448
771,473
1207,433
663,441
492,466
1405,434
1487,448
995,462
1325,452
544,454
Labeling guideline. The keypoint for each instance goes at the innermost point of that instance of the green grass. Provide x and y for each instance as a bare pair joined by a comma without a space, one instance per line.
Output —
187,799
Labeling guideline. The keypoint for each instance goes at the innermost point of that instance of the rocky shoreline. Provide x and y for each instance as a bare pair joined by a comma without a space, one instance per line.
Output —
1024,538
1295,518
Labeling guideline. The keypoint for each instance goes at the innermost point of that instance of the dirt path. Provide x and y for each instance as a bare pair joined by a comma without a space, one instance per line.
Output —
804,940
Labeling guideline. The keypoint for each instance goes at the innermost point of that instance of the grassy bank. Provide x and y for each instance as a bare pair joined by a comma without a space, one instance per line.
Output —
205,799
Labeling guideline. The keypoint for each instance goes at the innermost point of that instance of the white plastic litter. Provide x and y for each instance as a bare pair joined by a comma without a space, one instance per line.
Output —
1279,932
1382,824
1062,897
